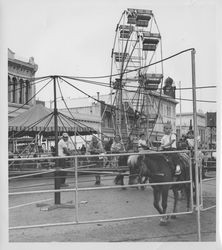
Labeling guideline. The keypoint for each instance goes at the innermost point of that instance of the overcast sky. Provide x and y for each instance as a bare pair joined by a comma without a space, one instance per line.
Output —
75,38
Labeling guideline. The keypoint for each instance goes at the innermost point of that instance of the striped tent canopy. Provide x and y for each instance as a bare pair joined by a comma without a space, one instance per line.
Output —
41,119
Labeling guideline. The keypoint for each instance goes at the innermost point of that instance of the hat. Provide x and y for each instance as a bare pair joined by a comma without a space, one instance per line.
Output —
65,135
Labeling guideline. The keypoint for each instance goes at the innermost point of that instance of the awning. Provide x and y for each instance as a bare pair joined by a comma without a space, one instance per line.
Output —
41,119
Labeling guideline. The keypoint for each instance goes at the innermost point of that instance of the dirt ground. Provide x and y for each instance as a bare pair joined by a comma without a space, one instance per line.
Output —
102,205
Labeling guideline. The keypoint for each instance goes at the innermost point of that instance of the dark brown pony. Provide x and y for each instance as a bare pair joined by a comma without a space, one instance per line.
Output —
158,168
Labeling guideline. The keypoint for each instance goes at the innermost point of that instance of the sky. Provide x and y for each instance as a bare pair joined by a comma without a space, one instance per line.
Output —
75,38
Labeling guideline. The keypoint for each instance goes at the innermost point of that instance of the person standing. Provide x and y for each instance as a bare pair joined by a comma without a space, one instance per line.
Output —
108,146
182,143
117,147
83,149
64,149
130,145
95,148
190,140
200,155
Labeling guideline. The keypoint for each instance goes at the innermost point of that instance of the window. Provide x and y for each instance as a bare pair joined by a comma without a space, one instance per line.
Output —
27,91
20,91
173,111
9,89
107,121
161,108
109,118
168,110
14,90
178,133
151,125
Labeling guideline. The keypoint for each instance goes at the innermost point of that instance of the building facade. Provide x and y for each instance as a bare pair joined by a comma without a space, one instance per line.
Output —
184,122
161,106
211,129
20,86
165,107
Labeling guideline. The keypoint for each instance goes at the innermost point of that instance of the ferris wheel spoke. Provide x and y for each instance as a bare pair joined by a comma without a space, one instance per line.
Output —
136,43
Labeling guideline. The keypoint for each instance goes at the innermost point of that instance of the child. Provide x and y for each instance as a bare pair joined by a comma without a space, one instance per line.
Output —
190,139
142,145
168,143
117,146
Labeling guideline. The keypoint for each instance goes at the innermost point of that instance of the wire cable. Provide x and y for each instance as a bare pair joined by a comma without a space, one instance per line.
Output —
74,120
103,84
31,83
129,71
115,108
29,78
30,98
183,99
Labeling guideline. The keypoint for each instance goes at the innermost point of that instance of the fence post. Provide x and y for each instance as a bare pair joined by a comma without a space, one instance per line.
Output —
76,185
195,141
191,178
57,198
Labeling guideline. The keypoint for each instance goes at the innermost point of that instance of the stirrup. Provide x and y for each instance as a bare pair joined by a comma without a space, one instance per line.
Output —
178,170
177,173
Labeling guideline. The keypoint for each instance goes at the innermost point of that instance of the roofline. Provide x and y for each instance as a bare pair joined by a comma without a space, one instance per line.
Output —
191,113
165,97
26,64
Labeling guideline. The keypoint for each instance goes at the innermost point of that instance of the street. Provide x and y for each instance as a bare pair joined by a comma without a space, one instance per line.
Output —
102,205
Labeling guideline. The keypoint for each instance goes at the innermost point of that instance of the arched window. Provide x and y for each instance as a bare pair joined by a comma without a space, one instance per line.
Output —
21,89
9,89
14,81
27,86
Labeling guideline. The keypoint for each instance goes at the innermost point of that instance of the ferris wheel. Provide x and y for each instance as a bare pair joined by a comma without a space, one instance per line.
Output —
137,44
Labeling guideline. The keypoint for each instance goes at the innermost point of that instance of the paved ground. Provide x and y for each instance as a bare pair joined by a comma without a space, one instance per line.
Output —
100,205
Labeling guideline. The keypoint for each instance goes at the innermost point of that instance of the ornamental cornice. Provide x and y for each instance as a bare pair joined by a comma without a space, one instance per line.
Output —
18,105
19,76
33,67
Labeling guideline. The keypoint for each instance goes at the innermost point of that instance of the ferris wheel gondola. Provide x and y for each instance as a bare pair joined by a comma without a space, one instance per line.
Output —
137,44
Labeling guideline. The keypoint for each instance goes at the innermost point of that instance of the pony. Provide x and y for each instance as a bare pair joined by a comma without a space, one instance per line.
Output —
158,168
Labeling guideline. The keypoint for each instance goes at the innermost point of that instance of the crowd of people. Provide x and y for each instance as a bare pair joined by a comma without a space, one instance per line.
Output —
115,145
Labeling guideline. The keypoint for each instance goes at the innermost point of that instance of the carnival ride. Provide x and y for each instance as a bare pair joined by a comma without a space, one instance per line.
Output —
137,44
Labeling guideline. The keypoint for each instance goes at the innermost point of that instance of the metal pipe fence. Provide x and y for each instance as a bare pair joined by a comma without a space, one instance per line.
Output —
77,169
205,168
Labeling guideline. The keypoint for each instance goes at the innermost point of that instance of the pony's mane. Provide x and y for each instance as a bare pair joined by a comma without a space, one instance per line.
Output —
132,160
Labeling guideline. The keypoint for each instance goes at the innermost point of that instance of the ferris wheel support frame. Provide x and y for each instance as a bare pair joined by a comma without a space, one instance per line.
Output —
143,38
